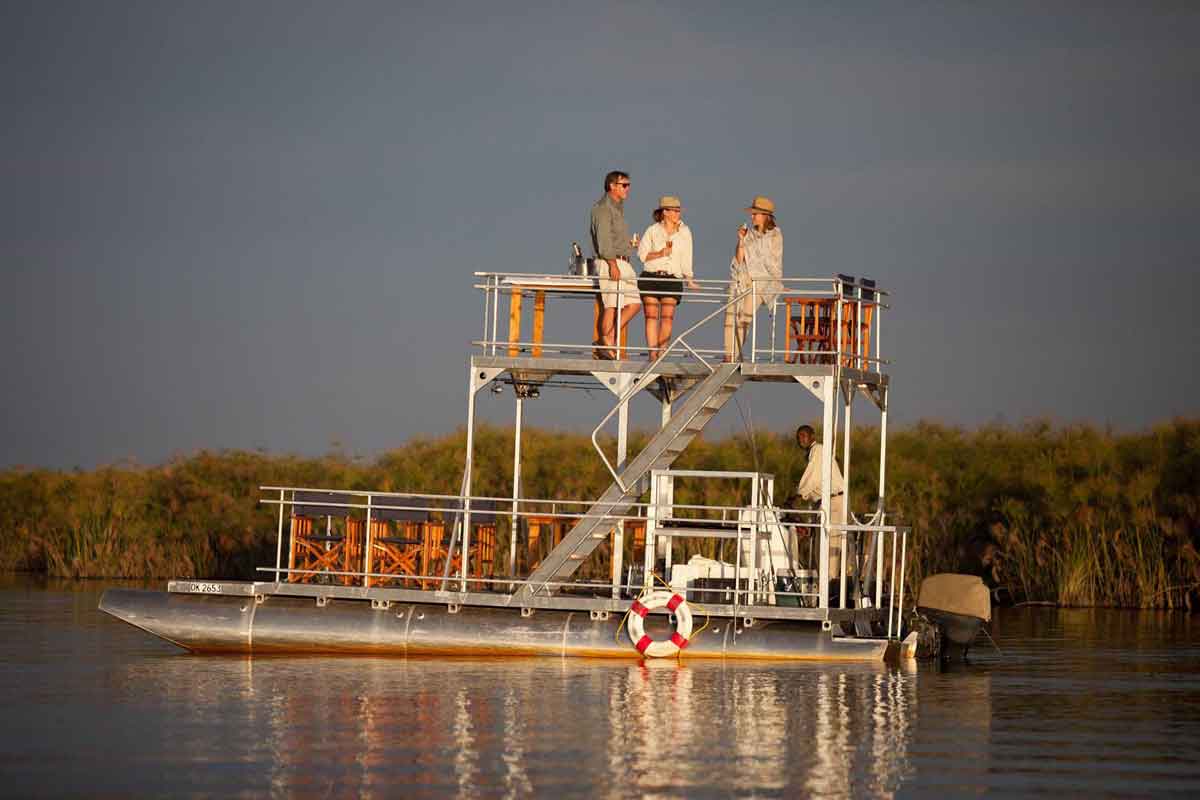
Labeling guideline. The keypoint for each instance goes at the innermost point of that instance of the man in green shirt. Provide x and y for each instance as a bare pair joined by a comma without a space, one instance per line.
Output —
613,245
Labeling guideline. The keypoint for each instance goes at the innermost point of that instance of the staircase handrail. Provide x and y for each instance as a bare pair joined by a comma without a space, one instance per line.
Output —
647,376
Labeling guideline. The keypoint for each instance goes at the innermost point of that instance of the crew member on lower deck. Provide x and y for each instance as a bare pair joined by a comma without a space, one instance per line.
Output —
809,489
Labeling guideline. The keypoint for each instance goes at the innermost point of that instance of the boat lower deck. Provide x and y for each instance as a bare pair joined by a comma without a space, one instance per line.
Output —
504,600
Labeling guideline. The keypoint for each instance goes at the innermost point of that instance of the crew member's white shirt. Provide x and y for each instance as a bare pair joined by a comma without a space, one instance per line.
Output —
809,487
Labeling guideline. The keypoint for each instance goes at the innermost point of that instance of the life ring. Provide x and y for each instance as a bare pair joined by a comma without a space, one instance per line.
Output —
637,629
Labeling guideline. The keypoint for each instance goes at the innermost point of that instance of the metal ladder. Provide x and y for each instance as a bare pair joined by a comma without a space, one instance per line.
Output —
701,405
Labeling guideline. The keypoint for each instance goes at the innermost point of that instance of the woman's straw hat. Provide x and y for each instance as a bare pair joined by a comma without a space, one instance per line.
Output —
669,201
762,205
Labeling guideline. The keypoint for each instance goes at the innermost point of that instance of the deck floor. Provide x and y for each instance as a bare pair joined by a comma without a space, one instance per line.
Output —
545,368
502,600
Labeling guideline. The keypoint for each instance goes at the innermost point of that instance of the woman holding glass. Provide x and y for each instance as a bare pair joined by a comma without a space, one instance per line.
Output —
666,253
755,272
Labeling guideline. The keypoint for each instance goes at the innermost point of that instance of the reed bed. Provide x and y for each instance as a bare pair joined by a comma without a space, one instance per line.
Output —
1079,516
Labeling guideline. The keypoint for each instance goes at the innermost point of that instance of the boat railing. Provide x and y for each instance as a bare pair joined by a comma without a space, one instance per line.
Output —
748,525
376,504
893,575
808,320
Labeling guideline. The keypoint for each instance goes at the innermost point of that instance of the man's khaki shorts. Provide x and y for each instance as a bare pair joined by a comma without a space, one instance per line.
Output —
628,288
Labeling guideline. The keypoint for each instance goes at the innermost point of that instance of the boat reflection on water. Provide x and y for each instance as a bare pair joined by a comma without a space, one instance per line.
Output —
799,729
366,726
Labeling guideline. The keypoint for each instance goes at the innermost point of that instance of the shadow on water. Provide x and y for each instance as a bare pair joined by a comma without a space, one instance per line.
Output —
1101,701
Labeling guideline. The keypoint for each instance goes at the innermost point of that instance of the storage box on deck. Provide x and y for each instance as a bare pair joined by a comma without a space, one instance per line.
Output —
706,573
710,590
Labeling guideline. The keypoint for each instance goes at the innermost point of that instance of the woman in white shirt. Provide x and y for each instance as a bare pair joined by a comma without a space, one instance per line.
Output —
666,252
755,272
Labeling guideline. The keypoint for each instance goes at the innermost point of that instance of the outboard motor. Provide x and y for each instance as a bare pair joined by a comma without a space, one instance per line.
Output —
958,606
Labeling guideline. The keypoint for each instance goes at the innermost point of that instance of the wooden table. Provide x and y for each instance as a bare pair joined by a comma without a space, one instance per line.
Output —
538,286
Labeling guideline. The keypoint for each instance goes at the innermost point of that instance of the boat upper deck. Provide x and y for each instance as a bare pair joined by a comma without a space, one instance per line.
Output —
534,330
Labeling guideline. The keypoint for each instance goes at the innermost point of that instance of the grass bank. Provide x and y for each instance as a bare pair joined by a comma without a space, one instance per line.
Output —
1081,516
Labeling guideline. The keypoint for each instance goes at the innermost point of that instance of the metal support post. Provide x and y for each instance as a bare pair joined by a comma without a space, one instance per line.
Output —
878,571
848,394
883,417
755,503
753,319
837,332
516,493
828,386
279,543
487,311
667,494
668,557
772,312
367,547
900,611
656,496
892,591
770,522
737,568
466,517
618,548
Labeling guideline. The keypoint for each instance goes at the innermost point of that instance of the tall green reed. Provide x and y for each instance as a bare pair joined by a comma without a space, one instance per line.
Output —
1082,515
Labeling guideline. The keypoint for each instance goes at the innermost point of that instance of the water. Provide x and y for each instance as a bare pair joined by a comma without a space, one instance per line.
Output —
1081,702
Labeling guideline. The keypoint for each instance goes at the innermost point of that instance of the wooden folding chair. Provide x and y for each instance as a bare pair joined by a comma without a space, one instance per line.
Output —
483,544
638,528
809,329
315,548
436,546
397,540
859,314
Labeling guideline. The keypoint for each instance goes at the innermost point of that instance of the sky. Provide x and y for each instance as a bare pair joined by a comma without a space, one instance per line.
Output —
253,225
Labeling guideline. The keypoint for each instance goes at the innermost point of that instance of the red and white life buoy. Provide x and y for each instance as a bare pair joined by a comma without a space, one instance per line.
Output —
637,629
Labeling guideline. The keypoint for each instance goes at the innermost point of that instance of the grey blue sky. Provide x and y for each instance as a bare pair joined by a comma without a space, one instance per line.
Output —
253,225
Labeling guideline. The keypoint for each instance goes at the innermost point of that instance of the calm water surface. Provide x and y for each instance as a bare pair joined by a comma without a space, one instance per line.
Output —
1080,703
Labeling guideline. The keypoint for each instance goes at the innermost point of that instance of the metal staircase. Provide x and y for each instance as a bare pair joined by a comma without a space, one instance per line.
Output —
700,406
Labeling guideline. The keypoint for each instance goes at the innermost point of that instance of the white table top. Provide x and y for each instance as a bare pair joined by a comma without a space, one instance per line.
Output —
581,282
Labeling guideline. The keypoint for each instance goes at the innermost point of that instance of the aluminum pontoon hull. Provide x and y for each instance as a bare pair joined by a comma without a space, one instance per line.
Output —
288,624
